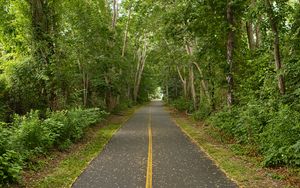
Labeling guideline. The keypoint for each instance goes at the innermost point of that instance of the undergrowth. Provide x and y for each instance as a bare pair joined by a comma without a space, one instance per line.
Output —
266,128
29,136
273,130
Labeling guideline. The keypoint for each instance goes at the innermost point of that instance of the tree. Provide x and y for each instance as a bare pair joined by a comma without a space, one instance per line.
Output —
277,56
230,50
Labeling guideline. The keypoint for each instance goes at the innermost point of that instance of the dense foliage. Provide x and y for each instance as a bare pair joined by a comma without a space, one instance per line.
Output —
236,65
233,63
30,136
62,65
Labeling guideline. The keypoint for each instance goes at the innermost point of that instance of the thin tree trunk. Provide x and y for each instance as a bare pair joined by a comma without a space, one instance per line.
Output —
250,34
84,89
183,81
128,91
257,27
212,90
124,49
108,95
230,51
115,10
140,69
126,33
253,32
44,23
274,26
203,83
258,34
167,93
193,91
189,51
84,83
138,81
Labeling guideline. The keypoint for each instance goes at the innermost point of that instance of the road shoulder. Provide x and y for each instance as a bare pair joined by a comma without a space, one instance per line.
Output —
245,171
61,168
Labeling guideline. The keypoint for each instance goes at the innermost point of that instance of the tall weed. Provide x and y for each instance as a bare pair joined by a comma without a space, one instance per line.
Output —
273,129
30,136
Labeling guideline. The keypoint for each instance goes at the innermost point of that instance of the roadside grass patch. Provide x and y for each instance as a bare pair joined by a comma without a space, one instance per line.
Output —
234,160
63,172
71,167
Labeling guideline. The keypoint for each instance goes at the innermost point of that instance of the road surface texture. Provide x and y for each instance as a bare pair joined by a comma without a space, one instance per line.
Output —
151,151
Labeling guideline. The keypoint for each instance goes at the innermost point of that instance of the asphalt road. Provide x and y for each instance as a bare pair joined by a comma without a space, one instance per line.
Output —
176,161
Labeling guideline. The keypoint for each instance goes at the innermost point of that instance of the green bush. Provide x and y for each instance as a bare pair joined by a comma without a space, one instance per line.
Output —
69,126
57,123
274,130
5,134
280,140
182,105
10,167
203,112
10,161
30,136
123,106
226,120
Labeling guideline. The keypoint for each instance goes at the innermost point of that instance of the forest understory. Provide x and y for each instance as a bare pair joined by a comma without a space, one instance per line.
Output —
236,160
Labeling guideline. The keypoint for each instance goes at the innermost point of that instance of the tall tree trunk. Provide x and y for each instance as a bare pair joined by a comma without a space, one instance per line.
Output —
230,51
257,27
212,89
110,98
115,13
192,86
258,33
84,83
43,19
86,88
167,93
124,49
274,26
126,33
253,30
203,83
140,68
189,51
128,91
250,34
184,83
44,23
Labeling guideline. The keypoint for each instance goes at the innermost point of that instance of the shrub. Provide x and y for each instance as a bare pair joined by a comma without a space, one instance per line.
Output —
31,135
69,126
226,120
10,161
203,112
182,105
273,129
280,140
10,167
5,134
123,106
57,123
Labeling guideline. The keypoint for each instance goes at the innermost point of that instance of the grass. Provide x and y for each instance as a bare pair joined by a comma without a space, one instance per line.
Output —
72,163
243,169
70,168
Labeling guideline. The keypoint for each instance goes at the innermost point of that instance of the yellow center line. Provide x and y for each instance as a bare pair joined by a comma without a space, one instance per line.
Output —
149,164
